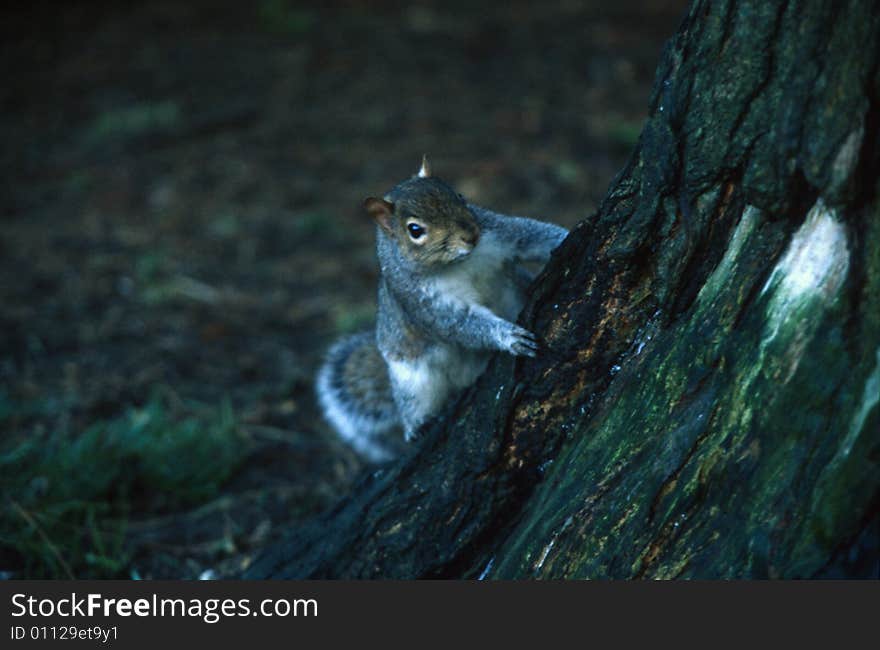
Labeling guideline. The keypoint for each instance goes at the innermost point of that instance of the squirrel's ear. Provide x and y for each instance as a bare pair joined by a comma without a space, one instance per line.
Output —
380,210
425,170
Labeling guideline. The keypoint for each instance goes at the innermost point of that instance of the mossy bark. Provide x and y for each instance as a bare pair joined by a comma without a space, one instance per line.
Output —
706,403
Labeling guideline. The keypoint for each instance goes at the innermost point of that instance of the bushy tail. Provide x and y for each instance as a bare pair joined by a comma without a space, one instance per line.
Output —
355,395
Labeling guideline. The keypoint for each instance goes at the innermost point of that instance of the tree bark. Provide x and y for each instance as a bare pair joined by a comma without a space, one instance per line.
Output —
706,403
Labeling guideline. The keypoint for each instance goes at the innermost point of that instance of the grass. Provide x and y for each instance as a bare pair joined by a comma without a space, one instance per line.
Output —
67,496
284,17
625,133
133,121
353,318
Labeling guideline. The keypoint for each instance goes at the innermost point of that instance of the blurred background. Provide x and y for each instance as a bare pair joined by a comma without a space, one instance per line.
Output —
182,238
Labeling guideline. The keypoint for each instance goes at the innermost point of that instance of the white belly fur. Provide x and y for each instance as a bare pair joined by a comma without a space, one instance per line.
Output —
443,369
433,378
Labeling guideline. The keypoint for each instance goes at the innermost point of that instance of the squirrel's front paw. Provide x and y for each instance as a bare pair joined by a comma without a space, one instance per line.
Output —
521,342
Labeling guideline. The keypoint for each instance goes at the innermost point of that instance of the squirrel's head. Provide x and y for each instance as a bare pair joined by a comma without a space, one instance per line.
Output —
429,221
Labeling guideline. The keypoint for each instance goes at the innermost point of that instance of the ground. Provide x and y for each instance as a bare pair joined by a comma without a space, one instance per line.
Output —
183,238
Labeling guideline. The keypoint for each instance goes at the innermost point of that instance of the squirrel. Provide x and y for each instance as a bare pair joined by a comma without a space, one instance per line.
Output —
451,286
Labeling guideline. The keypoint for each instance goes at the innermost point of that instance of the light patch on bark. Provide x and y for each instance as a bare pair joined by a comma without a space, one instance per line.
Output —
720,276
846,159
549,546
813,267
544,553
870,397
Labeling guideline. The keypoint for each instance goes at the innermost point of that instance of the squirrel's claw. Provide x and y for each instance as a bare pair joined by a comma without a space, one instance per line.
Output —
524,343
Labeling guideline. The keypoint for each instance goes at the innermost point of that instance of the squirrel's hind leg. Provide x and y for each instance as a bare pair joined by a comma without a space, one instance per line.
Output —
418,391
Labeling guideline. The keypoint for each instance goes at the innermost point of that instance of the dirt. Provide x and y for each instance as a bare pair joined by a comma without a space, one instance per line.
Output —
181,198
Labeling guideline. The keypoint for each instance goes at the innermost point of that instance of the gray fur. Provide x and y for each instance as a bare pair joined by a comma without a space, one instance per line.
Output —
448,333
529,240
438,324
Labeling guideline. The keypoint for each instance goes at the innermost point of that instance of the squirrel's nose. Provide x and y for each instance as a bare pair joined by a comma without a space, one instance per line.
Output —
471,239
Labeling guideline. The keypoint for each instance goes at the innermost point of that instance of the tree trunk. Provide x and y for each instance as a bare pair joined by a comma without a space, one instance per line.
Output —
706,403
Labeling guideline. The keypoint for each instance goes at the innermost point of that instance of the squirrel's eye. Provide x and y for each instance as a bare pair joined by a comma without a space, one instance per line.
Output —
415,230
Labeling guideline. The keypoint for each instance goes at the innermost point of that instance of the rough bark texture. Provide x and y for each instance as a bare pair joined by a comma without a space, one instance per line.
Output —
707,404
